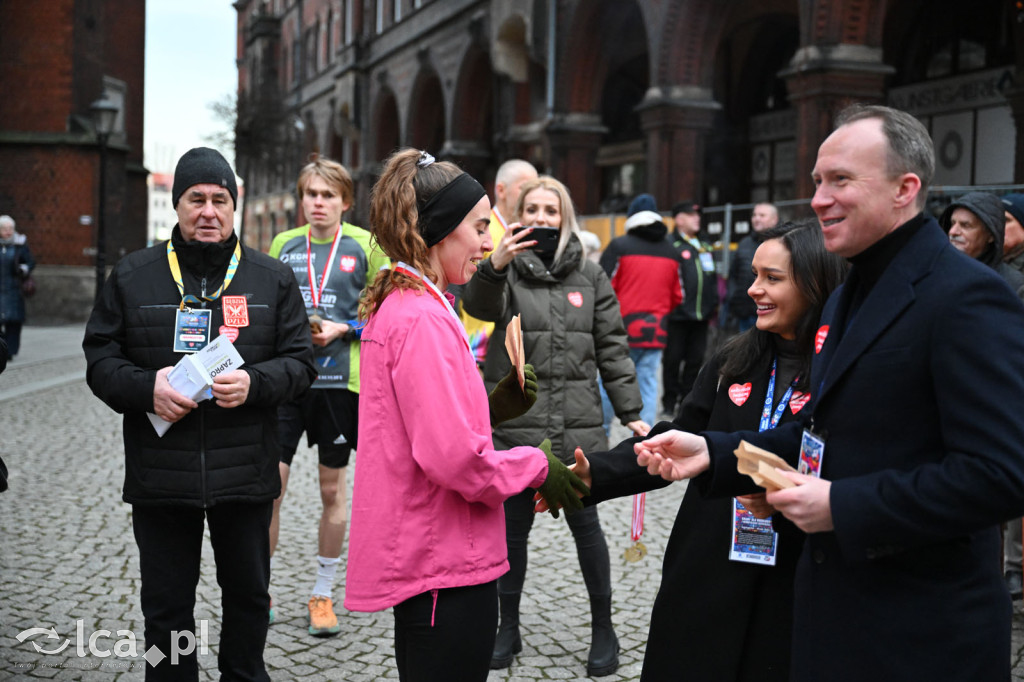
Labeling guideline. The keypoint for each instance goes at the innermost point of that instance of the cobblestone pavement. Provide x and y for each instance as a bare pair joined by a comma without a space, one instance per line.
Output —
68,560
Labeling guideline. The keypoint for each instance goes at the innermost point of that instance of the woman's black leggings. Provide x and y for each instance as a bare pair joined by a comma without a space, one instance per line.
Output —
445,635
591,547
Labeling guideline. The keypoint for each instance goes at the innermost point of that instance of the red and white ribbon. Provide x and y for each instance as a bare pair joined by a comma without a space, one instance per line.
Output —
637,528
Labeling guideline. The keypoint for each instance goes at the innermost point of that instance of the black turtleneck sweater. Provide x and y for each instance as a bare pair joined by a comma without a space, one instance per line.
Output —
869,264
787,365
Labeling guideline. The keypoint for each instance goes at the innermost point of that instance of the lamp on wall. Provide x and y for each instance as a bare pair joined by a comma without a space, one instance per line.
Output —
104,115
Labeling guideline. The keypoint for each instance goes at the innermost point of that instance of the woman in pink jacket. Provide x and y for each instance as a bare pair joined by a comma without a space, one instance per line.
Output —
428,528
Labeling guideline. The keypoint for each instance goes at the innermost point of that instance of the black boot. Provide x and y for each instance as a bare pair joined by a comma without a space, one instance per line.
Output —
508,642
604,645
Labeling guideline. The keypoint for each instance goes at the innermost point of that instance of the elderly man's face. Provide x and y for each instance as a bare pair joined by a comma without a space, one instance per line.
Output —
855,199
206,213
967,233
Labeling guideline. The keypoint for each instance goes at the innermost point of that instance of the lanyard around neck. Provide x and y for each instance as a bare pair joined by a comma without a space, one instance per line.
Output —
770,420
190,300
316,294
501,218
432,289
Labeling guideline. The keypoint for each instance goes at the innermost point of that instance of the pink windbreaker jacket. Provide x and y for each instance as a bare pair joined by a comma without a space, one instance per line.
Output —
427,496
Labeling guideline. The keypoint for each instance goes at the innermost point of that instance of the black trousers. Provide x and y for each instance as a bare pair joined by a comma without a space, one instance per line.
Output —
11,333
445,635
170,541
681,362
591,546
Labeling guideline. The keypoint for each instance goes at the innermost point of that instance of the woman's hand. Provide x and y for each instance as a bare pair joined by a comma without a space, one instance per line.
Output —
581,468
639,427
510,246
673,455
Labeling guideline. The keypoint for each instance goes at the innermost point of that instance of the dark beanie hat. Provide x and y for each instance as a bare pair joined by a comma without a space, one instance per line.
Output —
686,206
642,202
201,165
1014,205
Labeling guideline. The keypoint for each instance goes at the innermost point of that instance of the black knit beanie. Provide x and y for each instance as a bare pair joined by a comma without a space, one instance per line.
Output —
203,165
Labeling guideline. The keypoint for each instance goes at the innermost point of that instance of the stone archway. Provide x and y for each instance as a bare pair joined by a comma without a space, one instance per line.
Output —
596,143
426,116
387,133
471,142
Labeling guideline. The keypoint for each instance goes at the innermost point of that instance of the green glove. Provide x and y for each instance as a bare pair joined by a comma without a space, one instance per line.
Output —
508,401
560,488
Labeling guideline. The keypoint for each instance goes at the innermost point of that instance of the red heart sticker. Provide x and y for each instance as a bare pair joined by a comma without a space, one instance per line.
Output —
798,400
230,332
738,393
576,298
819,338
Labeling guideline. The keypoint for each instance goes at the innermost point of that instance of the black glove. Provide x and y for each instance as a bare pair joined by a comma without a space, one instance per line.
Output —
561,486
508,401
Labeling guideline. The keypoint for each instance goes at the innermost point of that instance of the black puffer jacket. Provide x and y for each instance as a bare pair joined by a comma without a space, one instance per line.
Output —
572,329
213,454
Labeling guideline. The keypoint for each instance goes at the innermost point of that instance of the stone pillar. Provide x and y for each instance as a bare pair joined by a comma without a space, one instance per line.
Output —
676,124
822,80
1015,98
572,142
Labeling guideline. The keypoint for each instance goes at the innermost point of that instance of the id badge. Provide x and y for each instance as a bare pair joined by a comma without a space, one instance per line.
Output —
707,262
812,450
192,330
754,541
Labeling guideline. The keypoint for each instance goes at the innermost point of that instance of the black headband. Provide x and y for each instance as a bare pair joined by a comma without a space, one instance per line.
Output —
448,207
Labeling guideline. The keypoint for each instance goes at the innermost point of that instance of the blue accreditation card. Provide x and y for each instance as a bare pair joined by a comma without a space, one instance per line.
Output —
812,450
192,329
754,540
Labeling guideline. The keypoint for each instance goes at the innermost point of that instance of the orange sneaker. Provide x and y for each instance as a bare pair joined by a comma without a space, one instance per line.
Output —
322,621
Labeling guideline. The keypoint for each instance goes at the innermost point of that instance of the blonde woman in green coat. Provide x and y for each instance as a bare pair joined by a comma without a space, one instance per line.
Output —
572,331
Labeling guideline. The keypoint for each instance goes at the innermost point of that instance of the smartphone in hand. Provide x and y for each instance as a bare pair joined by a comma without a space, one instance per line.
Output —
546,237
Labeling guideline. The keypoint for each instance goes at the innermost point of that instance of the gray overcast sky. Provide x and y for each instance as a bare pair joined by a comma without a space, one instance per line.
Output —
190,62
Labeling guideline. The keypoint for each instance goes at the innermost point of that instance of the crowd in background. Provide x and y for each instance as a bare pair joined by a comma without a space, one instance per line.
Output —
393,339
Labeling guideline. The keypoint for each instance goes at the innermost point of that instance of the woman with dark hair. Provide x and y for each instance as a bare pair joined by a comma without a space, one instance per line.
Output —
725,603
428,533
572,329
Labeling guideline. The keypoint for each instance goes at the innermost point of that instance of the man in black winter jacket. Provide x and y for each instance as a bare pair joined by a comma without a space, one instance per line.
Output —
688,322
218,461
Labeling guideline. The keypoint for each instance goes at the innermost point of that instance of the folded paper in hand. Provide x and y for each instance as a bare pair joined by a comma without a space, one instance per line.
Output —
761,466
514,346
193,375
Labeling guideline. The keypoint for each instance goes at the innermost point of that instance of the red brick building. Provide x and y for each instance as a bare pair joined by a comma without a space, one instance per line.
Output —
56,58
725,101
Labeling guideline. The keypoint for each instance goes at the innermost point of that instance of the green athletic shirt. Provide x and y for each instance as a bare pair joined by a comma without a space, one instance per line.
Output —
355,266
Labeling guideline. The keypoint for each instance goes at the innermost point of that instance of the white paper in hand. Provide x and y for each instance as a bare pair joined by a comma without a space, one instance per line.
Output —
193,375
